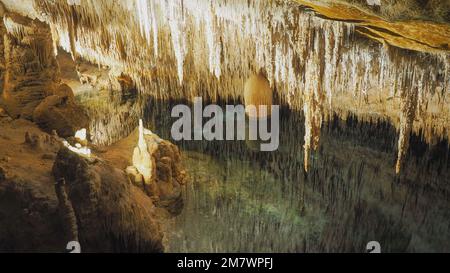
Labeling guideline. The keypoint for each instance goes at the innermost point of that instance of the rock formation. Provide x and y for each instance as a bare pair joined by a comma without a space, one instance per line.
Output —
32,88
160,173
66,212
112,214
353,64
62,114
142,159
31,69
56,196
329,60
29,217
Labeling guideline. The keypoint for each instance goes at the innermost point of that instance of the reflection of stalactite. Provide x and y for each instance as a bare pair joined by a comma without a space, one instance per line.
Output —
314,100
67,212
408,113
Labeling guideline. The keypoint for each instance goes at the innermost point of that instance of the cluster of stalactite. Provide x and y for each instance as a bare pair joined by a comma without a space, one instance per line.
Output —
187,48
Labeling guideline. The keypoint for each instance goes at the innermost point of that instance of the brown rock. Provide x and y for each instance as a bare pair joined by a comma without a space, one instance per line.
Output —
113,215
2,173
42,142
6,159
28,110
31,70
64,90
3,113
61,114
170,174
48,156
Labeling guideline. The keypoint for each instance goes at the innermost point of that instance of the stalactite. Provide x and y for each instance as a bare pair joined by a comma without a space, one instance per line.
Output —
208,47
211,34
175,17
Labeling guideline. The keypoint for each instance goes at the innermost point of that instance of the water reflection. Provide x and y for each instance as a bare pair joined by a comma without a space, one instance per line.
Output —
243,200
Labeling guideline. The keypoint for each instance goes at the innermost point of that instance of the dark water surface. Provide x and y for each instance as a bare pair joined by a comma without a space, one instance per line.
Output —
242,200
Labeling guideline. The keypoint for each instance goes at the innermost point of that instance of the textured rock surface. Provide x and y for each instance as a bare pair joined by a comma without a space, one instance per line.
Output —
184,49
112,214
2,50
390,22
97,204
29,218
32,88
168,174
31,68
257,92
62,114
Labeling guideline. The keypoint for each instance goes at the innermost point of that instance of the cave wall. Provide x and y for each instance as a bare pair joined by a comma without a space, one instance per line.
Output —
31,70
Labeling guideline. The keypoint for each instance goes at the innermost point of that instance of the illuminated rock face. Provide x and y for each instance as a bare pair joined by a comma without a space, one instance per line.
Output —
157,169
32,88
30,67
257,92
142,159
184,49
112,214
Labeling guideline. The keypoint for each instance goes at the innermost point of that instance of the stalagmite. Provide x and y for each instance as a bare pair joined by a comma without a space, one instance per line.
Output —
142,159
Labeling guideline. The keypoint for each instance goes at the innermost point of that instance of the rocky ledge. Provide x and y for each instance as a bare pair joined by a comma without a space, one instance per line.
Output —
55,195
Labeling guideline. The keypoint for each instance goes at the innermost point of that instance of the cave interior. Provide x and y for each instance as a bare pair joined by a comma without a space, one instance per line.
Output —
88,155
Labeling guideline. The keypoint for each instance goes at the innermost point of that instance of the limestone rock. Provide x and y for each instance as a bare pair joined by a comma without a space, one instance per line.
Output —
29,219
64,90
67,213
2,49
42,142
2,174
62,114
112,214
2,9
28,110
169,175
142,159
31,70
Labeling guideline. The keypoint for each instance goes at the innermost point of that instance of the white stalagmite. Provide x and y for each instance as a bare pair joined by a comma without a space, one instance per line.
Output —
142,159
